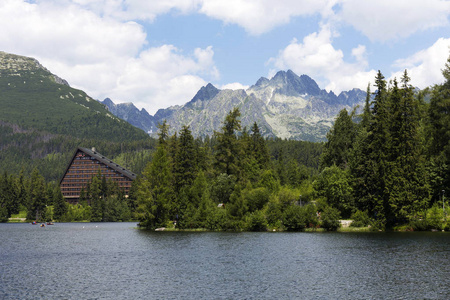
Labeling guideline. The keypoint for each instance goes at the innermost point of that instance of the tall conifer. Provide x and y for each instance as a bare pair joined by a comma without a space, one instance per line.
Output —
227,148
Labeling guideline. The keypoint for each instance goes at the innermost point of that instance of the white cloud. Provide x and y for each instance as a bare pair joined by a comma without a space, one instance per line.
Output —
424,67
234,86
67,33
97,47
383,20
148,10
163,76
260,16
317,57
255,16
380,20
101,55
73,43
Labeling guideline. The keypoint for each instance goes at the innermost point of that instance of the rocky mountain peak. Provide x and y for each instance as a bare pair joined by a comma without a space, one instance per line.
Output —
285,83
108,102
205,93
130,113
262,82
286,106
14,65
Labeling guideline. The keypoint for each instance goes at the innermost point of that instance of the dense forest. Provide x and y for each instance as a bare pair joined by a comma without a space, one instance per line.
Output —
392,162
386,168
38,194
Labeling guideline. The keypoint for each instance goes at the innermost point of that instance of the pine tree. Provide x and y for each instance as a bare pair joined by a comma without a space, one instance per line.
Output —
258,147
185,162
340,140
369,158
60,206
439,132
96,199
227,148
281,168
163,134
366,116
9,194
37,196
21,189
156,194
406,183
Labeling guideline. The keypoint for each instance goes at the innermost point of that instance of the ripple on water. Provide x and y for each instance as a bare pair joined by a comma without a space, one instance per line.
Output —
117,261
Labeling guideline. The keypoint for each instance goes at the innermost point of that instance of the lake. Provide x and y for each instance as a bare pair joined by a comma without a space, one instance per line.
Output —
118,261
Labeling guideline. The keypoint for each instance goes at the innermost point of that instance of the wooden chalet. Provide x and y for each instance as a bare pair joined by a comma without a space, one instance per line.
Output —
84,165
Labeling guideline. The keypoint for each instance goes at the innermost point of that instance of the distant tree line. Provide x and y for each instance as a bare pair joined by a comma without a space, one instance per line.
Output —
40,201
31,194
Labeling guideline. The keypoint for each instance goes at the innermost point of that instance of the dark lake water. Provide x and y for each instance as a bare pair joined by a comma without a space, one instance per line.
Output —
118,261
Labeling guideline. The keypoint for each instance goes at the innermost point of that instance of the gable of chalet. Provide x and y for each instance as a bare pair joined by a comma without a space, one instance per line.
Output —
104,160
73,179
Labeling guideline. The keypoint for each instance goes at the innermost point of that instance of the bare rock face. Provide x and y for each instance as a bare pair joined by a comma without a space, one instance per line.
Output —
130,113
286,106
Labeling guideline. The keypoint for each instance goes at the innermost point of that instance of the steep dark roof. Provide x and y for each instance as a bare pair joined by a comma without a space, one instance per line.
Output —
101,158
108,162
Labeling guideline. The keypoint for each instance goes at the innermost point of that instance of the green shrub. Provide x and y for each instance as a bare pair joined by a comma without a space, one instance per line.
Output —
330,218
273,211
217,219
360,219
288,197
256,198
418,225
311,215
3,214
435,217
447,226
257,222
294,218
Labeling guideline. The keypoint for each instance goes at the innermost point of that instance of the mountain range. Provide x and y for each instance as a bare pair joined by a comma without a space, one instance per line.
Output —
285,106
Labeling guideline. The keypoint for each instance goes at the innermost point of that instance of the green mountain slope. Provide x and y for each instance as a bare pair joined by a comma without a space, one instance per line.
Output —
43,119
34,98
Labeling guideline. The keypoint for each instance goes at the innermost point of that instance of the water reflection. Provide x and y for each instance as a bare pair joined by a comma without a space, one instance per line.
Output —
118,261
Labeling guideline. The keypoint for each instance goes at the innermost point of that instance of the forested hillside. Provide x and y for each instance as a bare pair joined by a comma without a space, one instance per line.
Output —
43,120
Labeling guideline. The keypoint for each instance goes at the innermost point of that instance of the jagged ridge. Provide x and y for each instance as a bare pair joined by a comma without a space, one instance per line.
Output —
286,106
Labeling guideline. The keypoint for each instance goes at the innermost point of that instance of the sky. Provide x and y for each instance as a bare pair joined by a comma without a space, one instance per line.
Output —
159,53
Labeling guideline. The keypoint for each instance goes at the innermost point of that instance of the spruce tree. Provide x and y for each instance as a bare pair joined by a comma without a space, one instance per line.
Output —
340,140
369,157
227,148
155,193
439,132
37,196
60,206
406,184
96,200
163,134
366,116
185,162
258,147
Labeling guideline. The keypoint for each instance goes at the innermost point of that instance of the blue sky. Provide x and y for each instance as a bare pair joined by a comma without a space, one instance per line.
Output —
160,53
